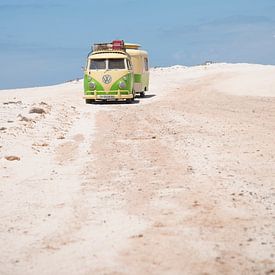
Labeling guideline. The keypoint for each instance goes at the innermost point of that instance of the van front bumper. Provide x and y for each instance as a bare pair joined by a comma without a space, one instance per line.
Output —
112,95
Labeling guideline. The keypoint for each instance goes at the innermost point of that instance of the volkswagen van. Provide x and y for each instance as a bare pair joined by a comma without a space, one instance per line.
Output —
115,71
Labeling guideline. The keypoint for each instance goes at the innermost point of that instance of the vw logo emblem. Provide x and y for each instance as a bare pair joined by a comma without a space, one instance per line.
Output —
106,78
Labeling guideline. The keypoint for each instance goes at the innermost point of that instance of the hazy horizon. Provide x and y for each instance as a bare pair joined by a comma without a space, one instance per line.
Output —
47,43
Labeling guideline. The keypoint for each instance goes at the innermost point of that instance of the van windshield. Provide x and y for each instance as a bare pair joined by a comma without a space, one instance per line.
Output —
111,64
98,64
116,64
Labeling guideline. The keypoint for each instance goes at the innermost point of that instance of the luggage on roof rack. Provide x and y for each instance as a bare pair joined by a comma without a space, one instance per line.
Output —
116,45
101,46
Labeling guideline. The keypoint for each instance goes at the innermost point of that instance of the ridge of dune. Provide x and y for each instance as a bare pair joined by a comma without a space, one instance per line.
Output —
241,79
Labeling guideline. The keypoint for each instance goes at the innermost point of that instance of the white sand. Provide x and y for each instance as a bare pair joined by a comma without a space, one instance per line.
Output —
182,182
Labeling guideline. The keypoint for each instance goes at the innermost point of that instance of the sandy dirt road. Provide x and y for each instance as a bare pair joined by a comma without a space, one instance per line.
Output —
168,185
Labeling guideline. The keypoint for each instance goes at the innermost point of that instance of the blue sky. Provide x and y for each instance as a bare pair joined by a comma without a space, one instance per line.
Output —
46,42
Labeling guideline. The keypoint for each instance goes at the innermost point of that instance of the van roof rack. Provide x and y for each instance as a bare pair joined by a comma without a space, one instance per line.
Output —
116,45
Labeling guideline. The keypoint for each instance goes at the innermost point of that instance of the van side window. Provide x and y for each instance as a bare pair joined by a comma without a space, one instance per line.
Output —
146,66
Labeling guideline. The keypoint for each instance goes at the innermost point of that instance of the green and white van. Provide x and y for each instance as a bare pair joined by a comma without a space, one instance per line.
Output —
116,71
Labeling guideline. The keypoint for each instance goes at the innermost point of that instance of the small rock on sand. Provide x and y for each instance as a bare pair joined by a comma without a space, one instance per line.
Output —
11,158
23,118
37,110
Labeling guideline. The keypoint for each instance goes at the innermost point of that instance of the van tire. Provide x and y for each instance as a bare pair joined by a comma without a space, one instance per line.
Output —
130,100
142,94
134,96
89,101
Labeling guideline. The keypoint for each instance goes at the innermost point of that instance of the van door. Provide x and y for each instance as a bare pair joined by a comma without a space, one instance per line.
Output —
138,70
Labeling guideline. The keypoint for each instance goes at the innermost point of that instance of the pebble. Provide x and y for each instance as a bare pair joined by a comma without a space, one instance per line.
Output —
11,158
37,110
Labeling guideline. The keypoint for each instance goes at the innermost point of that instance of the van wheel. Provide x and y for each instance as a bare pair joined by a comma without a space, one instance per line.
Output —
134,96
130,100
89,101
142,94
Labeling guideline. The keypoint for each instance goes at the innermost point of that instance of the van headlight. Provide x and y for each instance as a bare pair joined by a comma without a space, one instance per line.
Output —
122,85
92,85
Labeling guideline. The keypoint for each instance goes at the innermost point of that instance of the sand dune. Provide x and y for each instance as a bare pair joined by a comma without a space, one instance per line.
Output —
180,182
